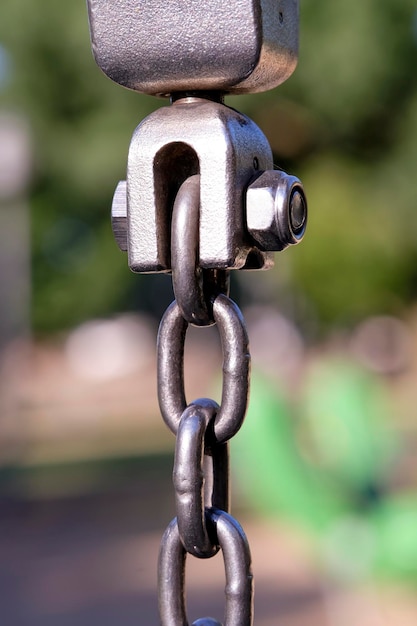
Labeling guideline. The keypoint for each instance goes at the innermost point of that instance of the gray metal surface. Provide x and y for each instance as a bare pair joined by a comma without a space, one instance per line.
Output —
237,564
194,136
236,365
161,47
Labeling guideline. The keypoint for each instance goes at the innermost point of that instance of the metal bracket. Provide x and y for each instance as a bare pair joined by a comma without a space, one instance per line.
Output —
193,136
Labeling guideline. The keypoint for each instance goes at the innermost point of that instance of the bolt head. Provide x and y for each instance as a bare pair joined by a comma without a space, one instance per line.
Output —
119,215
276,210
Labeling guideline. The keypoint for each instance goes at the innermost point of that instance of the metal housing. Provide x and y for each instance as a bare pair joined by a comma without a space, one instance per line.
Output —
161,47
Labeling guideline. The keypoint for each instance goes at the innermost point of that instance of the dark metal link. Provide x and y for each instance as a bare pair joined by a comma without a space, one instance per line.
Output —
237,563
194,288
236,366
195,445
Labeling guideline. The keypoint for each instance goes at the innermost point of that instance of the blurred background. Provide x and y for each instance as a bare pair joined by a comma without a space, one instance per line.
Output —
325,468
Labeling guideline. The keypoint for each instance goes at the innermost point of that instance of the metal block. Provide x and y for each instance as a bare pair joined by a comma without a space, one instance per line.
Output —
194,136
161,47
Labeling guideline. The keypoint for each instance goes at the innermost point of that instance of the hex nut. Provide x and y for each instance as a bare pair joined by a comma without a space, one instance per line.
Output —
119,215
276,210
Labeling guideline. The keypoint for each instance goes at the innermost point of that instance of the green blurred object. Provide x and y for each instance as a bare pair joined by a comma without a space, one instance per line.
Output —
326,472
395,526
346,412
274,476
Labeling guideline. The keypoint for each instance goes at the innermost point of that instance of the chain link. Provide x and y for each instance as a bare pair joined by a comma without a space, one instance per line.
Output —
236,366
193,286
191,473
237,564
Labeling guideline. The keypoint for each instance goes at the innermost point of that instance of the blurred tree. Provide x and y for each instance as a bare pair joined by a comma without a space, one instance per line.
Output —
345,123
82,125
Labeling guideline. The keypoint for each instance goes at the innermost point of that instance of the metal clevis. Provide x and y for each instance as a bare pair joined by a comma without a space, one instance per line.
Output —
196,53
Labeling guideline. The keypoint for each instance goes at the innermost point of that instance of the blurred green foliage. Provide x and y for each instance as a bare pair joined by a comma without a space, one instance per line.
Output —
346,123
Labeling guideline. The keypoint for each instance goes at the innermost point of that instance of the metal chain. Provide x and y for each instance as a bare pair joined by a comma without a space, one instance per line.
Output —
203,428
